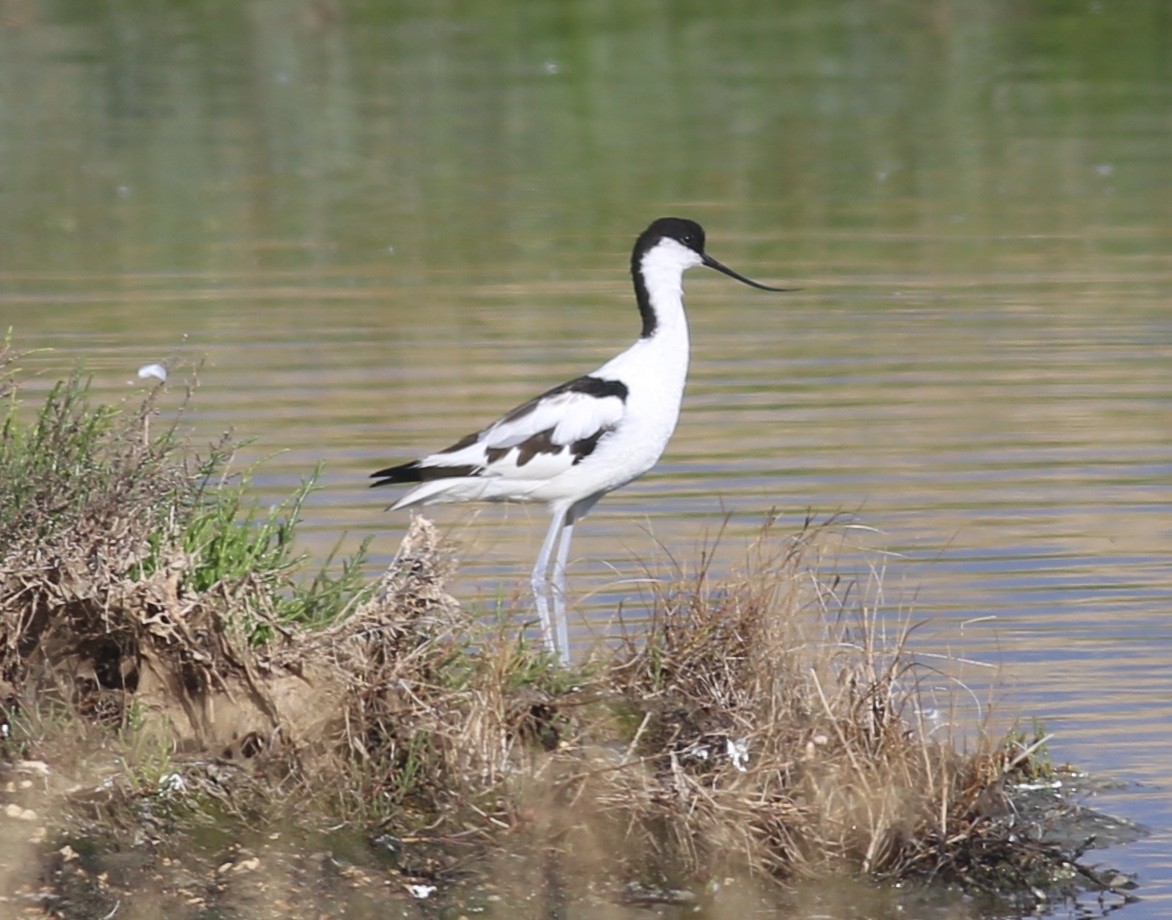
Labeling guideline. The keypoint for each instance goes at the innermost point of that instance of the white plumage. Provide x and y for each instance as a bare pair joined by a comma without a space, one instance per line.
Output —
571,445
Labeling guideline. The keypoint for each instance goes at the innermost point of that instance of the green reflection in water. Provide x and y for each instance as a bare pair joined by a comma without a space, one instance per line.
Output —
225,138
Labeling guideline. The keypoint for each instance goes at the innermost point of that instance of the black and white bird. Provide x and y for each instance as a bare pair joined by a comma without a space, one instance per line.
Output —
571,445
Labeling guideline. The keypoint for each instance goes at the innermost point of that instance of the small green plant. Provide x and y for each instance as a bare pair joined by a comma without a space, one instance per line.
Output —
1026,755
230,539
232,544
81,476
77,465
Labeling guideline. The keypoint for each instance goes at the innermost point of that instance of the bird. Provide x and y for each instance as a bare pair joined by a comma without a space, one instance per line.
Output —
574,443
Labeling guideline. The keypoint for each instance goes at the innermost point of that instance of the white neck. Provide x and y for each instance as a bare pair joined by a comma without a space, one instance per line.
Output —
662,269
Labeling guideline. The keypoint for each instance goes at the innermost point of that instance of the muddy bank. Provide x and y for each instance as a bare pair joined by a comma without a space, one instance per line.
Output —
408,754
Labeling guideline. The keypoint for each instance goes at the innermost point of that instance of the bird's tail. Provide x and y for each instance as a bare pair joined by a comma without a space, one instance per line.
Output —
434,482
419,471
405,472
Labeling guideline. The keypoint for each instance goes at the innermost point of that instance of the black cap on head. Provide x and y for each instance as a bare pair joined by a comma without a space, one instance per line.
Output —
680,229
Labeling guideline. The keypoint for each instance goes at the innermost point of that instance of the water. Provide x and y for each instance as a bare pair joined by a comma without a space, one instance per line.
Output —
383,227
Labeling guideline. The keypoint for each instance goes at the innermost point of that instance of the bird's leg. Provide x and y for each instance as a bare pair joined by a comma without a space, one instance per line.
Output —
539,580
559,591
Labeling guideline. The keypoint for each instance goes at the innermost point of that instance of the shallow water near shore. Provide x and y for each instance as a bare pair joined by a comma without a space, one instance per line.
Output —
381,229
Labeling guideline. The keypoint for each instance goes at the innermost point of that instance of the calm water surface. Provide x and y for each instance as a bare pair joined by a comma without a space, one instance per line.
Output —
383,228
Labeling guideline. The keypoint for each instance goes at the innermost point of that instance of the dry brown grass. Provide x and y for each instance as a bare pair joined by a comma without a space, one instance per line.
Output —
775,734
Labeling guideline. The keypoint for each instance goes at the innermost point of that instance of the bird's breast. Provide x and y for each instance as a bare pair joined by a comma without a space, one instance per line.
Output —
638,441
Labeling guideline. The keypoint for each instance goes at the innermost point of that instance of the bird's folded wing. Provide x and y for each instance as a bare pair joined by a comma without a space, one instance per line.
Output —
538,439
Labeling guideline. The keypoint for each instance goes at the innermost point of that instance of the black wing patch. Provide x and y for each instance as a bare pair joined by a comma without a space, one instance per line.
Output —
584,448
591,386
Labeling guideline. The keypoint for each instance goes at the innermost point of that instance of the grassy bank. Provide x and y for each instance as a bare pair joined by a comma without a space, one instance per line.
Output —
195,720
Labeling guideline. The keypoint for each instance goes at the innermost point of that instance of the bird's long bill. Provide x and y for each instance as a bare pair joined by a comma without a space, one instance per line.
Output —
712,263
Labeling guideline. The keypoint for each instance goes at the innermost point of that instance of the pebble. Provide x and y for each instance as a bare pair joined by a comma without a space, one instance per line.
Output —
12,810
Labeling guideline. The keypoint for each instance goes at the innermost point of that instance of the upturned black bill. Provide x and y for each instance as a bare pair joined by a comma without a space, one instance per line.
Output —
712,263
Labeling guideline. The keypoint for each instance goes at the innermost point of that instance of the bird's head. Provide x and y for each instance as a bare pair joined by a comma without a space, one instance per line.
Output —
675,244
